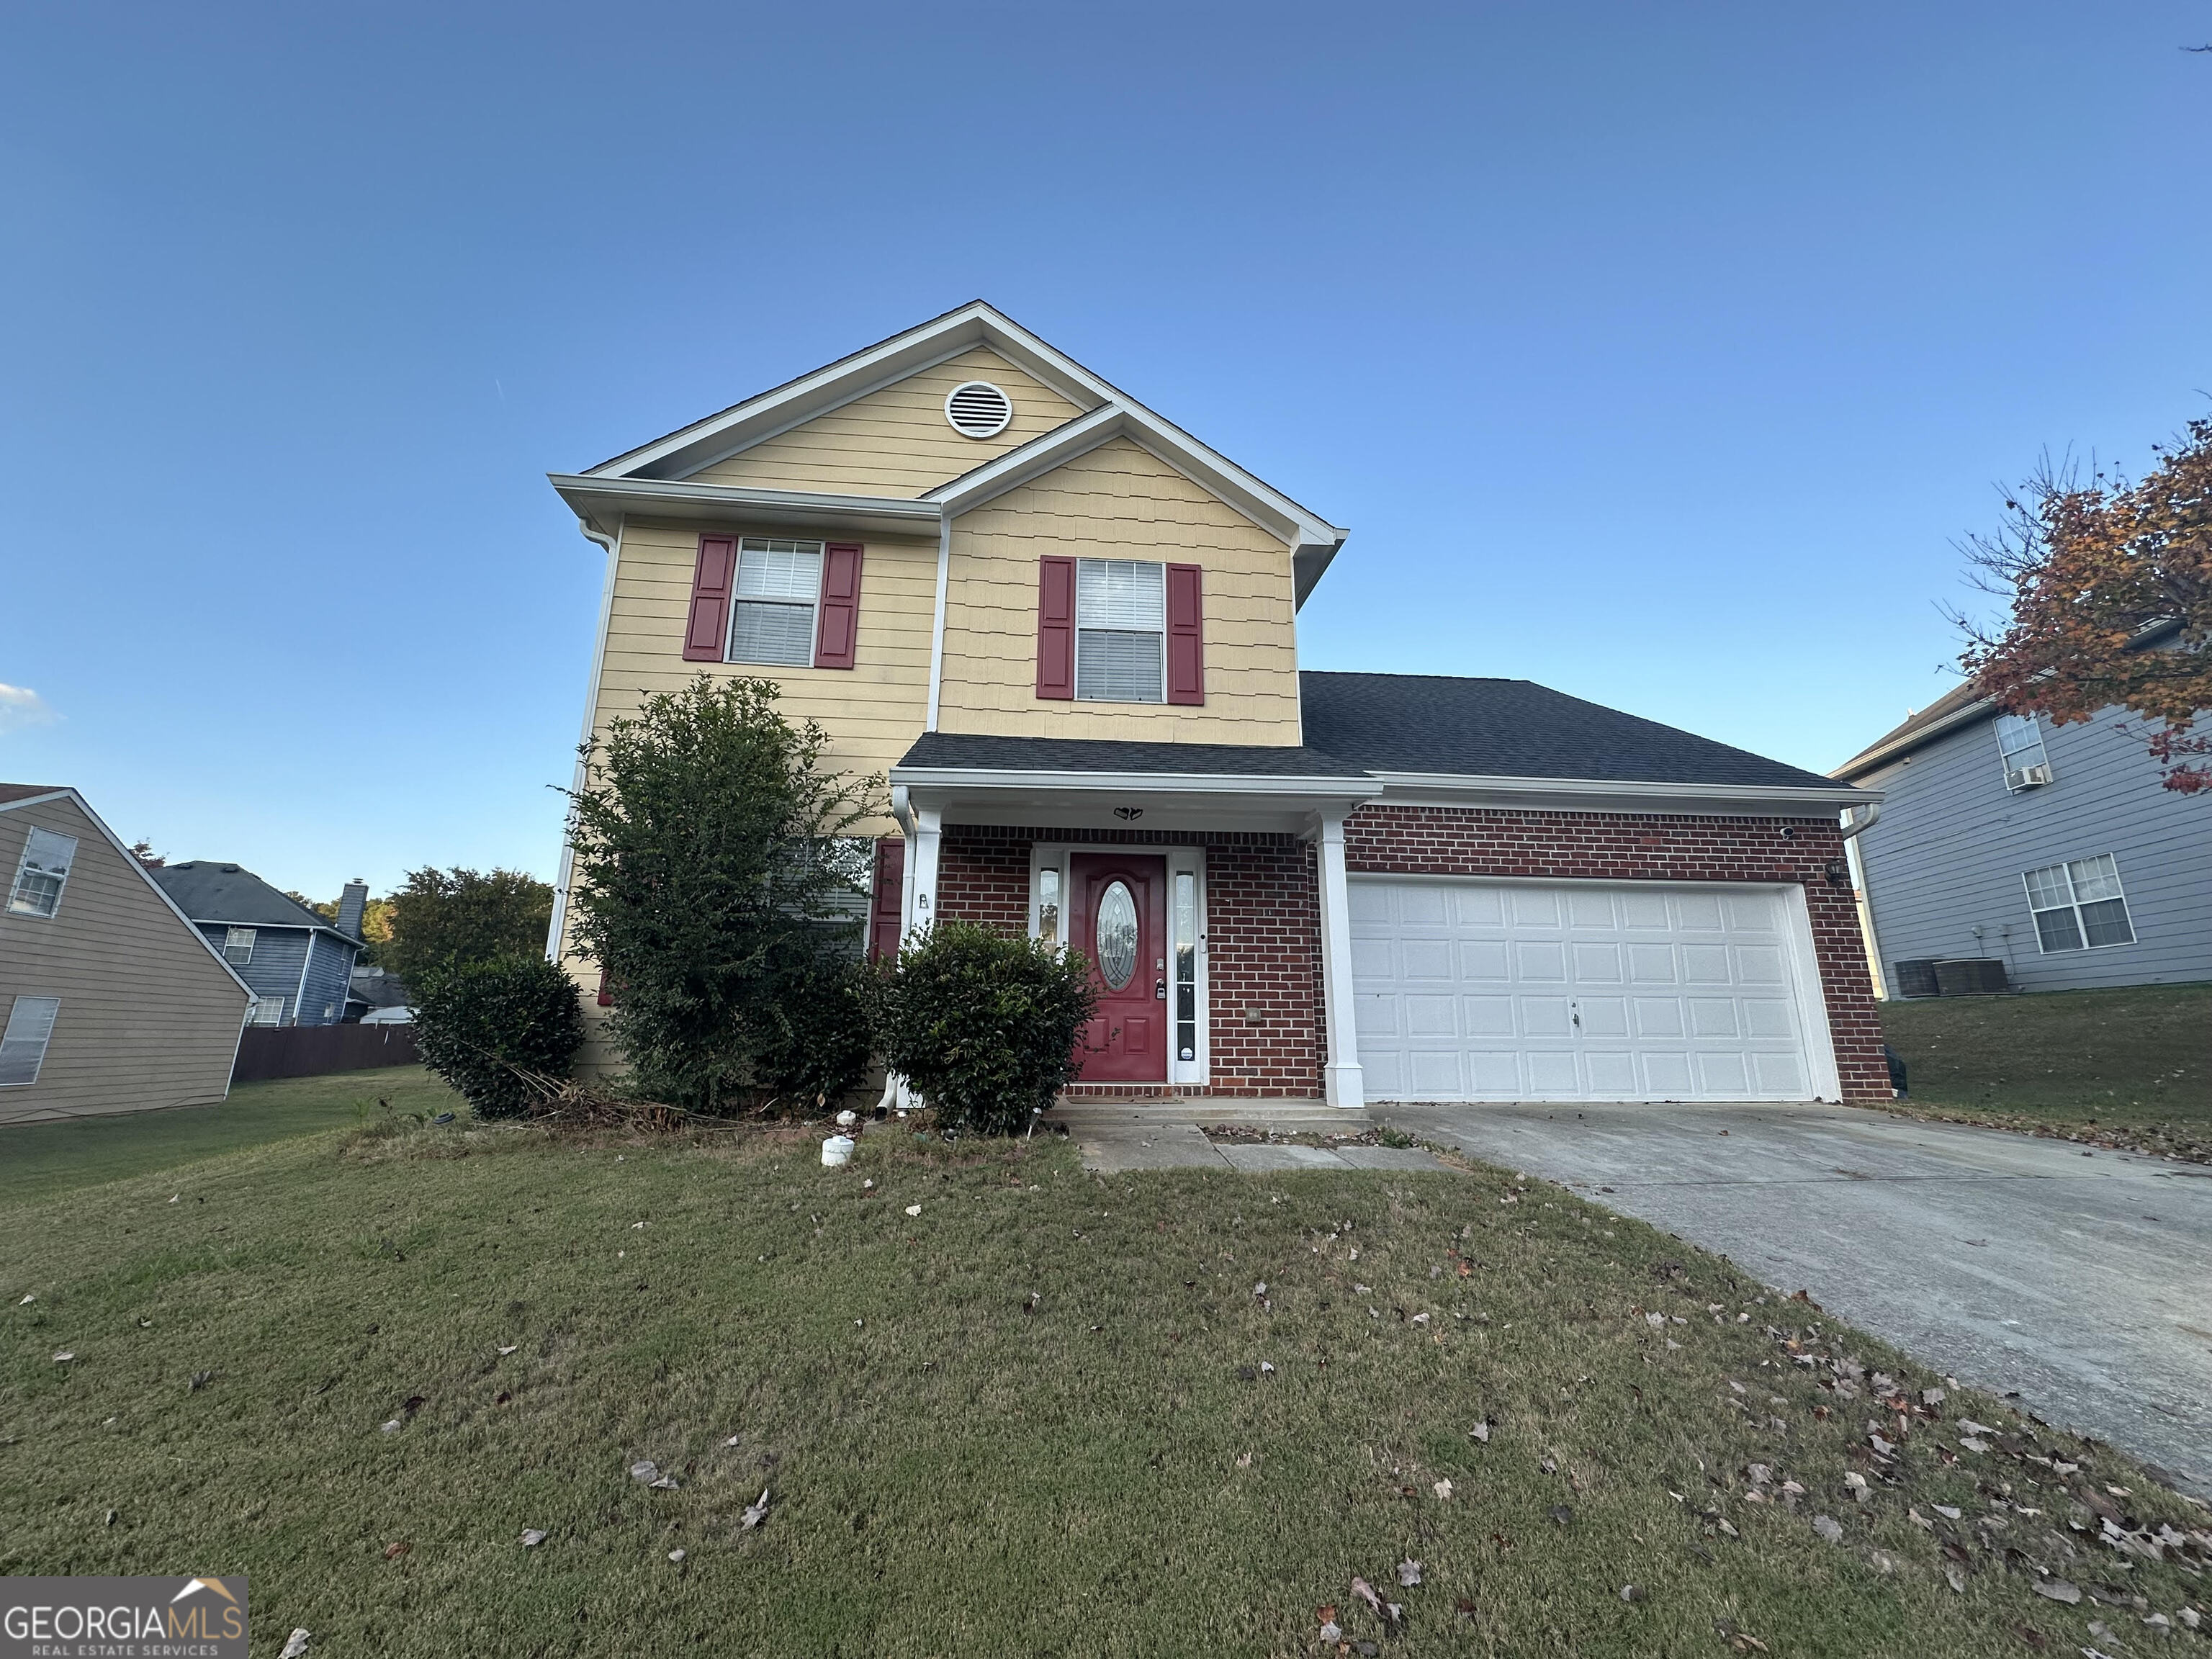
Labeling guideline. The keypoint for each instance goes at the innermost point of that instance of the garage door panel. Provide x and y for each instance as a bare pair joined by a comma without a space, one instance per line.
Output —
1497,991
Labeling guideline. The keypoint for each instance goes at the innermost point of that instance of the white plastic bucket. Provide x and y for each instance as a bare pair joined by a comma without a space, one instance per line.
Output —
837,1150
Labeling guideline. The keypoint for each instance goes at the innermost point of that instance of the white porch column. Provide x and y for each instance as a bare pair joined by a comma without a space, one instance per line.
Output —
922,868
1345,1085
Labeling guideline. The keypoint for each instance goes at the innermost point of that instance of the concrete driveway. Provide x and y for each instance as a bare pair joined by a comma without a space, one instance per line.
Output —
2083,1283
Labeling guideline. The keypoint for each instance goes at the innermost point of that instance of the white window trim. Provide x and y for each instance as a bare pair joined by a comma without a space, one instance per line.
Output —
2074,903
23,866
1194,1073
1076,663
230,936
45,1043
813,606
2004,761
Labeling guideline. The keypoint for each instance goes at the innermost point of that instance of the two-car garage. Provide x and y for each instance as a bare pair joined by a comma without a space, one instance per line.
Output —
1523,990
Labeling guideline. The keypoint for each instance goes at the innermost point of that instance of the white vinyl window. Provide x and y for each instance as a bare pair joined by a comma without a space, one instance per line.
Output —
2019,740
2079,906
266,1010
23,1046
772,618
238,946
1121,630
42,873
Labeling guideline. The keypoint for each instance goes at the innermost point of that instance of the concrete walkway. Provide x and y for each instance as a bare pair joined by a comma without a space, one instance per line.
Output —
2083,1283
1116,1136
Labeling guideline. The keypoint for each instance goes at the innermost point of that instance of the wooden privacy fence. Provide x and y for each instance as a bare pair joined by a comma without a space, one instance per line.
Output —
272,1051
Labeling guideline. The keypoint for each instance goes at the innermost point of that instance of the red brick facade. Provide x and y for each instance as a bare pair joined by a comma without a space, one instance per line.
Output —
1263,920
1653,846
1263,942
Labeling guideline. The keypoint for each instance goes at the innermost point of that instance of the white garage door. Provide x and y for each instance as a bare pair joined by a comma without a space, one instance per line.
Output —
1582,991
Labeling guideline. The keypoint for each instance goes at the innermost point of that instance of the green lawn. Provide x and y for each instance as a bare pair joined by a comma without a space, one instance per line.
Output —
2133,1065
38,1160
1050,1413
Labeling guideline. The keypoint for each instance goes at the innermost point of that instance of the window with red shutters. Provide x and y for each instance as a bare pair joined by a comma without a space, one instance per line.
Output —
706,634
1186,642
1055,674
837,629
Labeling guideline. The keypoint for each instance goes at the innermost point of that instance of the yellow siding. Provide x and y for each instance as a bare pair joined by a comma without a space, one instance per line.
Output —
149,1017
1119,501
896,441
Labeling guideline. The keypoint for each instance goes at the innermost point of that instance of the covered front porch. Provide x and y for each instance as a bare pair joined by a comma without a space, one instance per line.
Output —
1206,883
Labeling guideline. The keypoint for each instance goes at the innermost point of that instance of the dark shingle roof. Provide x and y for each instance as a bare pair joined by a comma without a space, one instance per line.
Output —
1516,729
1958,697
961,751
207,891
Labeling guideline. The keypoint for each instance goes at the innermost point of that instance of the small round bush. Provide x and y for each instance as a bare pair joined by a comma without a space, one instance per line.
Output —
984,1024
475,1022
813,1041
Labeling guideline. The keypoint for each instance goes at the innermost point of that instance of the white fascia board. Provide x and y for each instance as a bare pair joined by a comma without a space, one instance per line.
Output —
1915,738
604,502
33,800
1572,794
144,875
1206,783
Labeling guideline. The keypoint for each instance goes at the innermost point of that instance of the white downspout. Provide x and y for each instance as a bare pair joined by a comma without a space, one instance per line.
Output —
1862,889
612,547
937,628
1345,1084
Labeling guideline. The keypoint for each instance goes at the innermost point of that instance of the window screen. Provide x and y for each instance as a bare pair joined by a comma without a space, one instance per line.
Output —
238,946
2079,906
2019,740
23,1046
779,583
1121,630
42,873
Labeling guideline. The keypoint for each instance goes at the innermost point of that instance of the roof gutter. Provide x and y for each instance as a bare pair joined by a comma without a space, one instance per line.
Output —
911,778
1782,794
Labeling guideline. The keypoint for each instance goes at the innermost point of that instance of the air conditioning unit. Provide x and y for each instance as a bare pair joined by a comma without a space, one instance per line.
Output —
2028,777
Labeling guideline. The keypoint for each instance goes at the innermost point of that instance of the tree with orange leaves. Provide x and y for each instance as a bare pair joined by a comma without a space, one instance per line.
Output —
2110,587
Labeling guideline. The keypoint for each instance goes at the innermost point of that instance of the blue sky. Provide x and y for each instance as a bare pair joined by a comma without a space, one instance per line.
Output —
1659,354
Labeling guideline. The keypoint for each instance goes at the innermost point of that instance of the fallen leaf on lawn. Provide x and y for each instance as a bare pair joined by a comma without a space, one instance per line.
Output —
1394,1612
1632,1592
1968,1425
1244,1460
26,1301
1973,1444
1365,1592
755,1513
2029,1634
1479,1431
394,1552
666,1483
1443,1491
1331,1631
914,1209
502,1397
1326,1613
173,1197
393,1427
1948,1511
1829,1527
1409,1574
1955,1579
63,1356
1562,1514
532,1538
675,1555
1880,1562
295,1644
644,1469
200,1380
415,1403
506,1349
2057,1589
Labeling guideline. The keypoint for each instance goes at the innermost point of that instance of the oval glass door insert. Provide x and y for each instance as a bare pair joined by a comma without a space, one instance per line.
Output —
1117,935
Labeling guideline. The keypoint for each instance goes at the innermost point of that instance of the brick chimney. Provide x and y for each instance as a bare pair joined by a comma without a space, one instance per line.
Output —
351,902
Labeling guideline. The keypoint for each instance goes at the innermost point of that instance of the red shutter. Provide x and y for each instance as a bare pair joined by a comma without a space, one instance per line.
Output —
839,625
1055,628
707,636
606,990
890,881
1186,645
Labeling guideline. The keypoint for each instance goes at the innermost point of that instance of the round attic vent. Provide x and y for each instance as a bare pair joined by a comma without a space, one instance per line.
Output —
978,409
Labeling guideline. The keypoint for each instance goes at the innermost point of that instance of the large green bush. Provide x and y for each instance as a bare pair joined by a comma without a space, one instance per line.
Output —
813,1044
984,1024
475,1022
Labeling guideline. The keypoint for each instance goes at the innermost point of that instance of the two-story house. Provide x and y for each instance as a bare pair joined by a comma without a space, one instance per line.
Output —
2053,849
110,999
299,964
1066,630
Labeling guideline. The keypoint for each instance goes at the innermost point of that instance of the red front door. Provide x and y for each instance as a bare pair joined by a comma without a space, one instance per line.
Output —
1118,918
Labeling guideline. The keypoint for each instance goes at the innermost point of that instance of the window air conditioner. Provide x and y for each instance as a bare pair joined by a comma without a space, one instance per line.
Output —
2028,777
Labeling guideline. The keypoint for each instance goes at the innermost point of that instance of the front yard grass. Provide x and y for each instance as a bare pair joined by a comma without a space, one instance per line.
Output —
1052,1412
2129,1067
39,1159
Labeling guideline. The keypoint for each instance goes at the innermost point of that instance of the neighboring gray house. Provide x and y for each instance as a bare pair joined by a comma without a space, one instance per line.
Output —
2052,848
299,964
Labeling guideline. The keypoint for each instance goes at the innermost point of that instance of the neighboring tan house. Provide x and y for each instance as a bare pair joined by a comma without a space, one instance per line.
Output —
2053,849
1066,630
111,1000
299,964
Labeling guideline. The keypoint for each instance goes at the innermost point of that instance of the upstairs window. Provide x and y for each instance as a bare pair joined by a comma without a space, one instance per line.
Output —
1120,631
238,946
2019,740
42,873
23,1045
265,1010
2079,906
772,618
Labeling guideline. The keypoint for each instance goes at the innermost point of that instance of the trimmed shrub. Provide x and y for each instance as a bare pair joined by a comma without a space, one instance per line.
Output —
984,1024
810,1046
475,1021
